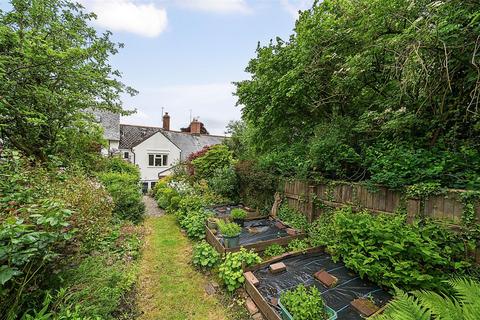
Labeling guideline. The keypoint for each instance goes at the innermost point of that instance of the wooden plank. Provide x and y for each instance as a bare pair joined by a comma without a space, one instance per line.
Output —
389,200
211,239
261,303
448,207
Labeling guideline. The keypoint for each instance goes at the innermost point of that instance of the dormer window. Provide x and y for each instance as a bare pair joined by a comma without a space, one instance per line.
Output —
157,160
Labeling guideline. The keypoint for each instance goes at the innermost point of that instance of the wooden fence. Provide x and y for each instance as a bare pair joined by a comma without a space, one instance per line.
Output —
312,198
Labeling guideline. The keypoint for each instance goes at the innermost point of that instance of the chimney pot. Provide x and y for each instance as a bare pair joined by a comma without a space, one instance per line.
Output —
166,122
195,127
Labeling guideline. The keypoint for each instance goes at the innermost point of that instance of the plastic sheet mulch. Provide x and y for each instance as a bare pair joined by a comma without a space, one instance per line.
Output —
300,269
259,230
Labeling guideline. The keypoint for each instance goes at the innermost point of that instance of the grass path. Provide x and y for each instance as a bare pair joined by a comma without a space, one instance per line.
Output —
169,287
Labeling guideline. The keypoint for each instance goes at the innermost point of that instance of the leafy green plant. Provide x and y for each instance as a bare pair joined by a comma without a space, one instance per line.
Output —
231,270
205,256
273,250
321,231
292,217
125,191
428,305
194,223
224,181
217,157
297,245
164,197
303,303
390,252
229,229
238,213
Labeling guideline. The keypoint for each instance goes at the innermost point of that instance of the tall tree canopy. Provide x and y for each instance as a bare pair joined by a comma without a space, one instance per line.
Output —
53,67
386,90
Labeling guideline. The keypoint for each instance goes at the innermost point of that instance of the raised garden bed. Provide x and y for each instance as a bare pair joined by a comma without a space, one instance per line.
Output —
346,296
223,211
257,234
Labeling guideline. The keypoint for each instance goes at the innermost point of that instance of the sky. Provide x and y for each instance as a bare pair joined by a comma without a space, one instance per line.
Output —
183,55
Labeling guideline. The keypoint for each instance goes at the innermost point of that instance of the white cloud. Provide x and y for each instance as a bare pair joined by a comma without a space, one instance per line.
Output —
293,6
217,6
144,19
212,103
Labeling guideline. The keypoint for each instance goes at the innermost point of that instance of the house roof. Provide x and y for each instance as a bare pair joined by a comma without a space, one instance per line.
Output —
132,135
110,122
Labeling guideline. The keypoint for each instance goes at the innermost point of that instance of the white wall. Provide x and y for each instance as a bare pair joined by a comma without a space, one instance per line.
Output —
155,144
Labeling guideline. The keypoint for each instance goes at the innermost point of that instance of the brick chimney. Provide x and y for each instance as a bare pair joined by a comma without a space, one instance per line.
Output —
166,122
195,126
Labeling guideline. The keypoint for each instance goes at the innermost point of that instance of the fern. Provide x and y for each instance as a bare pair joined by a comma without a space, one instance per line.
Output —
405,307
468,292
428,305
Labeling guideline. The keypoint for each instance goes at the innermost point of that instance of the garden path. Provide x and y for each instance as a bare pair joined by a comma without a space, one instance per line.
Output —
169,287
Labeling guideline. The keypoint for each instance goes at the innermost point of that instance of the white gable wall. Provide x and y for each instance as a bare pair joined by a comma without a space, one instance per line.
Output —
156,144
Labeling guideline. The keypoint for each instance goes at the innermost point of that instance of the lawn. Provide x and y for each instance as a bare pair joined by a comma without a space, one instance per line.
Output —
169,285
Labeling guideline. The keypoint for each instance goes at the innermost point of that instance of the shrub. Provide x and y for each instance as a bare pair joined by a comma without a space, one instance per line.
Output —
229,229
238,213
224,181
27,246
205,256
164,197
257,187
303,303
292,217
189,203
125,191
217,157
91,207
194,223
118,165
231,270
321,231
297,245
273,250
391,252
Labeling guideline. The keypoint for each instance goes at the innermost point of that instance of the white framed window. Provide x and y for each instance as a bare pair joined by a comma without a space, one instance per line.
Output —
157,160
126,155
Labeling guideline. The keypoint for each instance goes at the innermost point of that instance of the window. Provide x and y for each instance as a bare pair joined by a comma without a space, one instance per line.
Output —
157,160
152,185
125,155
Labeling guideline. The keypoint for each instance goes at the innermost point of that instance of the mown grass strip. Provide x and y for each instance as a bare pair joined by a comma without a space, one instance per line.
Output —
169,287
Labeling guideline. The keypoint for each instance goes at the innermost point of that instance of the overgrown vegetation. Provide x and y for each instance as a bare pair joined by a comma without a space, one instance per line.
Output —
68,248
391,252
428,305
384,91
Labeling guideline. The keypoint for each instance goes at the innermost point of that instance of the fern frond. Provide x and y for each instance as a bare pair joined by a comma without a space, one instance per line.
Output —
441,306
468,295
404,307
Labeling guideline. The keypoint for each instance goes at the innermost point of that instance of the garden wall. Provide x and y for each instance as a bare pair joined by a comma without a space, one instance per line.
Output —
311,198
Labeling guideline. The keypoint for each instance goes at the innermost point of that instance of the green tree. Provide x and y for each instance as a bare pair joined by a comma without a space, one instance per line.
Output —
53,68
359,75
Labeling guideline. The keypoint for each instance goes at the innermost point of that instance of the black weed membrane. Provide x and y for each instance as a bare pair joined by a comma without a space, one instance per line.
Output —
300,270
223,211
255,231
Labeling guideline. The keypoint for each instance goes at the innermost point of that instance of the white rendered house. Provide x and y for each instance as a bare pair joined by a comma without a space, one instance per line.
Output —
156,150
